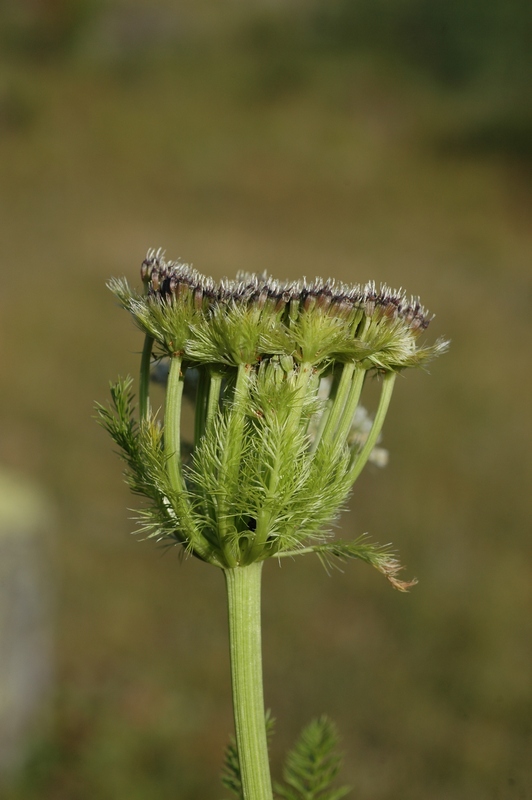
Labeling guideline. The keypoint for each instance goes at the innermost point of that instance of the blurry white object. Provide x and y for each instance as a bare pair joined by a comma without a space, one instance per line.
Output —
25,635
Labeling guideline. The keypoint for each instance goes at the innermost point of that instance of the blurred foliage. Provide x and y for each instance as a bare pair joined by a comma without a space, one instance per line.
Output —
480,52
246,143
454,41
37,29
463,44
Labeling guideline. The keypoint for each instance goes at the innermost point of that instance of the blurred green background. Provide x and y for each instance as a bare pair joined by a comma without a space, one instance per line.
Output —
359,139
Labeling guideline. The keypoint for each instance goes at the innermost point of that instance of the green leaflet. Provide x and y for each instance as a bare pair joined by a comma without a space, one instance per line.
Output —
312,766
146,472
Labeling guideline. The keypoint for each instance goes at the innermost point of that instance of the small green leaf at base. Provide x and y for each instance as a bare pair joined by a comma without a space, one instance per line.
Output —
312,765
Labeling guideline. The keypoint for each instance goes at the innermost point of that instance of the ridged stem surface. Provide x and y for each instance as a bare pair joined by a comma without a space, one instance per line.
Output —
243,602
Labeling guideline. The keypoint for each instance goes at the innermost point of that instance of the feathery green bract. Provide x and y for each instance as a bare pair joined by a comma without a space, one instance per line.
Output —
313,764
146,474
310,769
274,455
378,556
231,777
318,337
234,334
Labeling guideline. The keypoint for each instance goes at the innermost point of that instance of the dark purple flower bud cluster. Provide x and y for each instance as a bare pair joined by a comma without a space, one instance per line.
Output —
166,281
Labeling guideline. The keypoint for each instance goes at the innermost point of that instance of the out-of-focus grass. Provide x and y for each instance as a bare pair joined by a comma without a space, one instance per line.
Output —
313,165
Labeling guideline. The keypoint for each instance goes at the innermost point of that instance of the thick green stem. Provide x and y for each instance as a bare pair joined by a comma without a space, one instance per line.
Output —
359,459
144,383
243,602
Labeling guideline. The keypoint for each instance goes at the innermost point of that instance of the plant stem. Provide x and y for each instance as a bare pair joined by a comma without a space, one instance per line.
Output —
348,413
305,375
293,422
327,408
214,398
359,459
338,403
172,449
144,384
230,460
204,381
243,603
172,424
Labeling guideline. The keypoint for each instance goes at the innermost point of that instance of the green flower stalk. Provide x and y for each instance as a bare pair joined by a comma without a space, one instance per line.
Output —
279,434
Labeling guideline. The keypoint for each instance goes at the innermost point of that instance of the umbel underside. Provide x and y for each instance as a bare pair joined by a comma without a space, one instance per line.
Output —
280,368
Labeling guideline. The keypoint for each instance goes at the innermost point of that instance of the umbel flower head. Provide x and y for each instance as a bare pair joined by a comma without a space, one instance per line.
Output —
278,369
